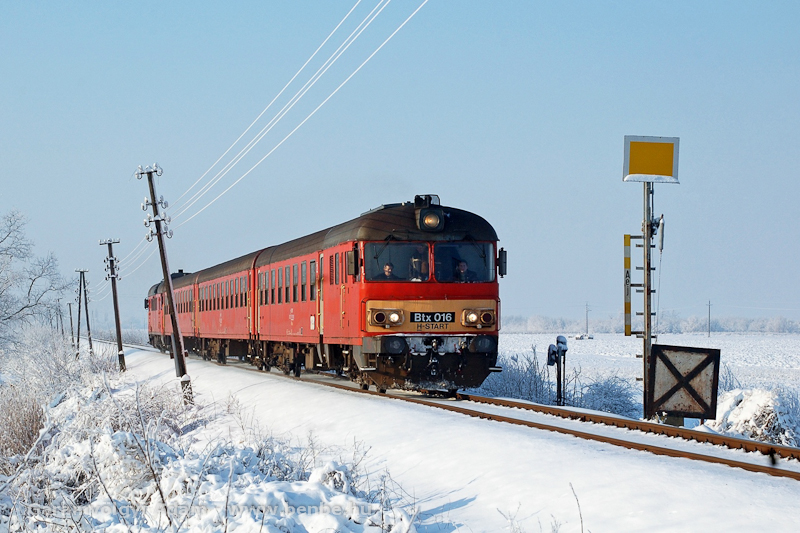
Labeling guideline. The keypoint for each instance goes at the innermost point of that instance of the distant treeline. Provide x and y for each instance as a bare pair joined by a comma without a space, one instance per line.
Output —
666,323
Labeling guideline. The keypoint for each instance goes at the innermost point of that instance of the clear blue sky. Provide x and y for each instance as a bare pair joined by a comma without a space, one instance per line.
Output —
514,110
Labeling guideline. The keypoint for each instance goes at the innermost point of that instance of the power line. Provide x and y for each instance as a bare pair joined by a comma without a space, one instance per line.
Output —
363,25
273,100
308,117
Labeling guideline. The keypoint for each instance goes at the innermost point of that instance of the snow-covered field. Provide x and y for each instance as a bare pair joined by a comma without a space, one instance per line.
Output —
444,471
756,360
461,473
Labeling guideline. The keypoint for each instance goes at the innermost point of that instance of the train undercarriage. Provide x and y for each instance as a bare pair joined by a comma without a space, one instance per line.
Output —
432,363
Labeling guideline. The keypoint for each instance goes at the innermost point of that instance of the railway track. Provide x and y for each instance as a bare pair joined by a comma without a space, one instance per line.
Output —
774,460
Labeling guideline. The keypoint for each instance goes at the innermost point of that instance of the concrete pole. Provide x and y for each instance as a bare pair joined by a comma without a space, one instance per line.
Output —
112,274
177,338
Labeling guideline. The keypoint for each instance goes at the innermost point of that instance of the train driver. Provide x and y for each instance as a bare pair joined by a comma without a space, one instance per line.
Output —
463,273
387,272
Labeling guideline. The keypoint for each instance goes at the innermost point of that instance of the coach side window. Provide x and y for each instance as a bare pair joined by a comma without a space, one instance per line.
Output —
280,285
286,284
336,269
272,286
303,280
294,282
313,275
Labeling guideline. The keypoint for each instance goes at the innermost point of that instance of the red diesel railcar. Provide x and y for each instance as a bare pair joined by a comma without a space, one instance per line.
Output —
404,296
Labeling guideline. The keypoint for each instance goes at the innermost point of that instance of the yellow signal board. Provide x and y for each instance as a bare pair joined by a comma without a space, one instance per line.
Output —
651,159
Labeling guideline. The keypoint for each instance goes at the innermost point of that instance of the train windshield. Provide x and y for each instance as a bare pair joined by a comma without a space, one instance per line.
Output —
396,261
463,262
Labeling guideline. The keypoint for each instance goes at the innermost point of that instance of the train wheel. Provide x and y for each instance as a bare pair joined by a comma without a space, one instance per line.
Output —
451,393
364,386
382,391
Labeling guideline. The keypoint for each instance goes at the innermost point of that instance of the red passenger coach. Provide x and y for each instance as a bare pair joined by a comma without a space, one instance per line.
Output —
404,296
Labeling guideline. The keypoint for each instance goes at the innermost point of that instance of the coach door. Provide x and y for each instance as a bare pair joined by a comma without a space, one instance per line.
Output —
320,305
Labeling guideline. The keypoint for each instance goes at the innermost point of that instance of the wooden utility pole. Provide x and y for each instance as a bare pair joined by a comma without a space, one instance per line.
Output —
709,318
161,230
86,308
71,327
112,275
59,317
80,293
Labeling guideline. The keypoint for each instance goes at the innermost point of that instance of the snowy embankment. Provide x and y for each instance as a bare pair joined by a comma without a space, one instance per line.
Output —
461,473
257,439
117,455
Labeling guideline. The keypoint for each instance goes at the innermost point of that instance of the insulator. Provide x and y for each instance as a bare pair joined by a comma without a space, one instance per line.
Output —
149,237
146,223
168,220
165,204
169,234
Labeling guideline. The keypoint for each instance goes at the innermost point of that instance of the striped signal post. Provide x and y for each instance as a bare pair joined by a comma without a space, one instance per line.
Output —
159,232
112,275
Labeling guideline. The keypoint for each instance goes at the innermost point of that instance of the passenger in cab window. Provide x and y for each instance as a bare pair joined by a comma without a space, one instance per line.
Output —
387,272
418,263
463,273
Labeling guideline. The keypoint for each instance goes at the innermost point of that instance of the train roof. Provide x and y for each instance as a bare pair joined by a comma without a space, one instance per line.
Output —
391,221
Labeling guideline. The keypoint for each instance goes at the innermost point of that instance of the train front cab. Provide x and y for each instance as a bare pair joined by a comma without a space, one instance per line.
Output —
430,313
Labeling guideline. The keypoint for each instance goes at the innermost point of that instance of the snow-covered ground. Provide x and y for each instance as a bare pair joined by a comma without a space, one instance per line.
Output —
462,473
258,439
756,360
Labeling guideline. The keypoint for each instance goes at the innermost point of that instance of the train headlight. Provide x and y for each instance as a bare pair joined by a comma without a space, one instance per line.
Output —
385,317
478,318
431,220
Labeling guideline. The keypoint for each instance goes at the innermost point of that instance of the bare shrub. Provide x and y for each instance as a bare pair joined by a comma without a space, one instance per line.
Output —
727,380
21,418
611,394
525,378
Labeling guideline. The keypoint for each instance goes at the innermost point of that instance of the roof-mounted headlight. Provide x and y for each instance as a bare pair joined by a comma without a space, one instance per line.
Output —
430,219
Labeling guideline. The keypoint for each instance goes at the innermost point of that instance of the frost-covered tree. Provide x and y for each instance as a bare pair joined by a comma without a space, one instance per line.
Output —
28,284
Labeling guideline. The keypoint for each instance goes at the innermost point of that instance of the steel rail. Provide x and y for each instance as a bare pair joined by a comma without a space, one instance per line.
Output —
772,450
657,450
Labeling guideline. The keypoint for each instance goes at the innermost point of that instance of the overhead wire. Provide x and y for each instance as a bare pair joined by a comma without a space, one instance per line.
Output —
273,100
136,253
310,114
363,25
